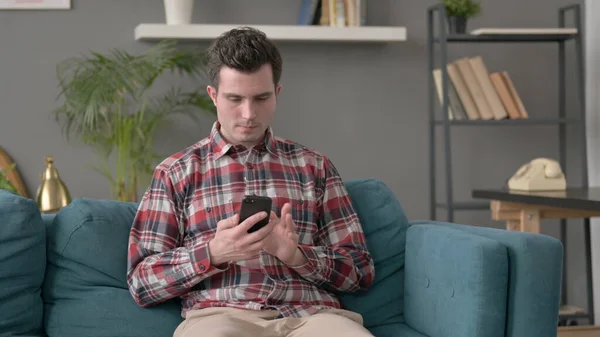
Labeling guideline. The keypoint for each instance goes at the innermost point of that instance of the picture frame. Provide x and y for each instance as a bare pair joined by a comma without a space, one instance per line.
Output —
35,4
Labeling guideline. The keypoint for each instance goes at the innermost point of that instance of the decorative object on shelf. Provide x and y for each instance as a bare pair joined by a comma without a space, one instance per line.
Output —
52,194
38,4
110,105
179,12
541,174
458,12
11,173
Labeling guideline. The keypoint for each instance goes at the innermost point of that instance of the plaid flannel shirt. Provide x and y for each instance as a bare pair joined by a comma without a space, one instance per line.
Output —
192,190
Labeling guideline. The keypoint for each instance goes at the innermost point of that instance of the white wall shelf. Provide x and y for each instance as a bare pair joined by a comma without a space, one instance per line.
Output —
377,34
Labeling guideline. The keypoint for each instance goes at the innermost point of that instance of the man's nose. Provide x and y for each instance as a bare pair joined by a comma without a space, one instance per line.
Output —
248,110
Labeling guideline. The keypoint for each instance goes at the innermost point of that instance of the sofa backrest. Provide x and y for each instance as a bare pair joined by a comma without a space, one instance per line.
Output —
22,266
85,291
385,224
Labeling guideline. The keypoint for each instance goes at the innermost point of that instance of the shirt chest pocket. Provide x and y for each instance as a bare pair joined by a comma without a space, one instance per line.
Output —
204,213
304,209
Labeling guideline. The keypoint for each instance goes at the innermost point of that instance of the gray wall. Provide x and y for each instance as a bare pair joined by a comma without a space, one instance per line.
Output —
365,106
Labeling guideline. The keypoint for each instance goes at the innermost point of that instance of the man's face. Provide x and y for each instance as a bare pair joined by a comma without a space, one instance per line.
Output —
245,104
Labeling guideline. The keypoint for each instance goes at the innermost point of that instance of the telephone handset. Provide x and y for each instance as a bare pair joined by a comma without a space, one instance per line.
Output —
541,174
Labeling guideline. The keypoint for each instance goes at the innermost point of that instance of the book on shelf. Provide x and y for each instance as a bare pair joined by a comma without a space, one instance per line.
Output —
463,92
333,13
505,95
475,93
489,91
513,91
465,68
455,107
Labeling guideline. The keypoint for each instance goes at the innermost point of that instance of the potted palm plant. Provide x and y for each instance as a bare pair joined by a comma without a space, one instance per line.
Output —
108,106
458,12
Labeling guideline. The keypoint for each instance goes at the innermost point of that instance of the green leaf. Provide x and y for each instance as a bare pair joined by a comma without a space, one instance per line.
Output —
110,104
5,184
466,8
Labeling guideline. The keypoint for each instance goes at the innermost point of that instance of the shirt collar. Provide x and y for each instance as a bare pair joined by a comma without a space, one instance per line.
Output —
220,146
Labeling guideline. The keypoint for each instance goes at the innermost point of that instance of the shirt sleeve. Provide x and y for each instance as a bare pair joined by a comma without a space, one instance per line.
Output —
339,260
159,266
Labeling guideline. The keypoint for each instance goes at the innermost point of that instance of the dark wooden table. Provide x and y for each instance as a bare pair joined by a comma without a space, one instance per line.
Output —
523,211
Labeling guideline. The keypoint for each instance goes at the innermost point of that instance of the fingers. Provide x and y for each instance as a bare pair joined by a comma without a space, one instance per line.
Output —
228,223
286,216
286,209
290,223
291,229
261,233
251,221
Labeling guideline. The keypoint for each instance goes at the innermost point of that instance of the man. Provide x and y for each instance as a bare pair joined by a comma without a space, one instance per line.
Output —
187,241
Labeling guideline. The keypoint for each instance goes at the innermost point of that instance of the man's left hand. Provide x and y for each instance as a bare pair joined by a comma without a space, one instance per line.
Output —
282,242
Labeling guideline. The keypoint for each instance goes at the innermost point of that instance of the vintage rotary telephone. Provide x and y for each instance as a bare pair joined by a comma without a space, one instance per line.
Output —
541,174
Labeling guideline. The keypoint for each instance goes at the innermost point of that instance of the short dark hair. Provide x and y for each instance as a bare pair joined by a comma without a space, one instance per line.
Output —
244,49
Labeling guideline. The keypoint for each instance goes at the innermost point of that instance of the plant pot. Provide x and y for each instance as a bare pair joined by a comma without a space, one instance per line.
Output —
178,12
457,24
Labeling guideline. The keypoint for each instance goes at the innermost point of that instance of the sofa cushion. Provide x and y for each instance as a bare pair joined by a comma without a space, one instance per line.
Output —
85,291
385,226
22,266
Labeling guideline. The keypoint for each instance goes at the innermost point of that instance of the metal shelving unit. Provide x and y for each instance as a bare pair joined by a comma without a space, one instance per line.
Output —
437,35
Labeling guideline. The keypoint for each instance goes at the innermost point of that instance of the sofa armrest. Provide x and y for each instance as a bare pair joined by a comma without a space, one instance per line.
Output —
534,273
456,282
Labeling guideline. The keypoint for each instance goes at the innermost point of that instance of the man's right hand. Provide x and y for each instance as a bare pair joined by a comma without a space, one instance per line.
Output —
232,241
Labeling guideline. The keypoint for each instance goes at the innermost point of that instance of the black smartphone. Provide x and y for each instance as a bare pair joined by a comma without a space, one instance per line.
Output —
252,204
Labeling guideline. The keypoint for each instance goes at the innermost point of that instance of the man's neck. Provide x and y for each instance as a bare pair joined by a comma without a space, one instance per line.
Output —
247,145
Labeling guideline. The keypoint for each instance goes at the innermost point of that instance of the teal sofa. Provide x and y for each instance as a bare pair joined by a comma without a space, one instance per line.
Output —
65,275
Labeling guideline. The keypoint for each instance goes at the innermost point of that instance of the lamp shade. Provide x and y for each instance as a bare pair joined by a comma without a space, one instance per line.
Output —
52,194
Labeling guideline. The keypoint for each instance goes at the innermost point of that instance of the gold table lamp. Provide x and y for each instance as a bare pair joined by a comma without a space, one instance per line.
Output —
52,194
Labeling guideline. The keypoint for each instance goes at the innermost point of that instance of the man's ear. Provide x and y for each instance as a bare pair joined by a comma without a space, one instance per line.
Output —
212,92
278,89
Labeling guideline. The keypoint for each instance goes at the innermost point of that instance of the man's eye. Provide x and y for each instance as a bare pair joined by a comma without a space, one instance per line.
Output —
263,98
235,99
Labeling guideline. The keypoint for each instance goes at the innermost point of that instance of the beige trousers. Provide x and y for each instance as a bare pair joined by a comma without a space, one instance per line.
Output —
231,322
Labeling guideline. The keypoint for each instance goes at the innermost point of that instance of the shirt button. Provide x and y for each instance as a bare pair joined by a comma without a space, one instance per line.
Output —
202,267
300,201
249,166
208,209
